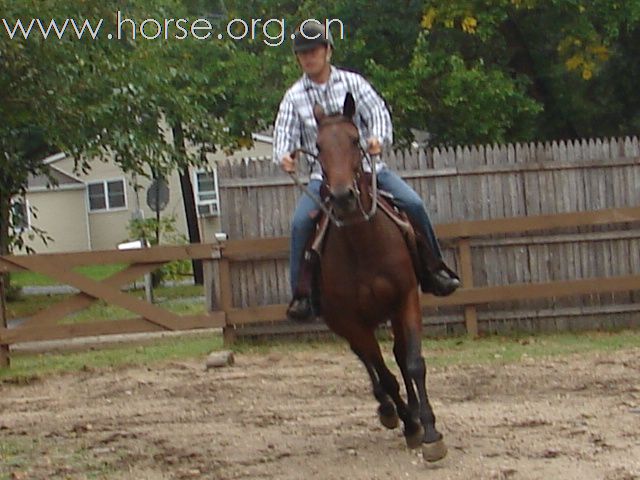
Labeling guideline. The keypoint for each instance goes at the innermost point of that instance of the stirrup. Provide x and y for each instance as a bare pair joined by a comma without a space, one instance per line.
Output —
299,309
437,284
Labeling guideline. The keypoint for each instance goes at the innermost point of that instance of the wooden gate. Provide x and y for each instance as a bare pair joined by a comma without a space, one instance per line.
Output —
44,325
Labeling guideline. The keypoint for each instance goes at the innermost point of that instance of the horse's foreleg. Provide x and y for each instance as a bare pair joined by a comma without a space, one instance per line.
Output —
408,351
366,347
386,410
400,352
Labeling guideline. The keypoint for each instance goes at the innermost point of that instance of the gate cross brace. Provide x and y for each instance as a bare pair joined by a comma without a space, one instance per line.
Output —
93,290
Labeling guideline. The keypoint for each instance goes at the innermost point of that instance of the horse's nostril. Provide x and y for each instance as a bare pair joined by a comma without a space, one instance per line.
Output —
343,198
342,195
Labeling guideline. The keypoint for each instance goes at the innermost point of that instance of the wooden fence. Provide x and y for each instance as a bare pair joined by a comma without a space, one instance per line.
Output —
487,183
473,298
544,237
221,259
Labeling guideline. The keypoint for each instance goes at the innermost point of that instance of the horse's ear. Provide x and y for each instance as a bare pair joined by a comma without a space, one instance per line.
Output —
318,112
349,108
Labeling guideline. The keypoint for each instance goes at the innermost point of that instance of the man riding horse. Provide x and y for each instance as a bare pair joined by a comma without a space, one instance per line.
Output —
296,127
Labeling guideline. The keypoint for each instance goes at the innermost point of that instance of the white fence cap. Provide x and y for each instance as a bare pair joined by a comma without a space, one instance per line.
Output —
131,245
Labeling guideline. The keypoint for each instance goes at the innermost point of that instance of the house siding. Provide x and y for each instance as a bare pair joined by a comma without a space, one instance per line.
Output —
79,230
62,215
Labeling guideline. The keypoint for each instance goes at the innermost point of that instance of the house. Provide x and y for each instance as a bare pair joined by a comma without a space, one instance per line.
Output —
92,211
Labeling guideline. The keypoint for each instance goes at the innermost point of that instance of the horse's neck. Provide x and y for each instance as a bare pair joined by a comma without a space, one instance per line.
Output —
364,185
366,238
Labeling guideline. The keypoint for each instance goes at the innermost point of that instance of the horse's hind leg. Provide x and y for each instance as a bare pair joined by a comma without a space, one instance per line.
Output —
366,347
408,352
386,410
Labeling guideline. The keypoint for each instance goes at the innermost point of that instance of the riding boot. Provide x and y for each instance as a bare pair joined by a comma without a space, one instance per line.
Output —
304,306
299,309
434,275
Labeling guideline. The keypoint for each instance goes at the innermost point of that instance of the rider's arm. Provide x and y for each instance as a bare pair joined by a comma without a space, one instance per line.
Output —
286,131
374,112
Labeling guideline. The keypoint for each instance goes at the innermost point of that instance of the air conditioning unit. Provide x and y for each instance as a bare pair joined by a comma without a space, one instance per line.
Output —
208,210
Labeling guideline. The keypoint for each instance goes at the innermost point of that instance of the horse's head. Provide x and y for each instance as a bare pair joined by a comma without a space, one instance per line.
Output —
340,155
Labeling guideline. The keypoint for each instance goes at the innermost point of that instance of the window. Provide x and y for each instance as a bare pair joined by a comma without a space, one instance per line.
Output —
107,195
206,193
20,215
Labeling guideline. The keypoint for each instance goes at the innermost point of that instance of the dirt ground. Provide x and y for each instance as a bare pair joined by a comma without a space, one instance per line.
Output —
310,415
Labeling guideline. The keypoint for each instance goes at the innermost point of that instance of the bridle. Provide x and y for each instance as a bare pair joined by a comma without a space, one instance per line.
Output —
366,216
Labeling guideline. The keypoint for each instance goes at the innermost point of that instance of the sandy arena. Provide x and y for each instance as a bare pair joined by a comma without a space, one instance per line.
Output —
310,415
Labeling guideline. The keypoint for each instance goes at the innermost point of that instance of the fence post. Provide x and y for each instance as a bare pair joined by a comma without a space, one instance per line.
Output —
148,279
211,294
5,359
226,298
466,269
211,274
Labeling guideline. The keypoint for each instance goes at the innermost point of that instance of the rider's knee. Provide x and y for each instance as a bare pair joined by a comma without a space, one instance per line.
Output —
414,206
301,224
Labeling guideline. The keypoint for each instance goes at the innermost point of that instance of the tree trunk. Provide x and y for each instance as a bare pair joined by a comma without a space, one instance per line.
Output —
522,61
5,205
5,360
189,203
5,202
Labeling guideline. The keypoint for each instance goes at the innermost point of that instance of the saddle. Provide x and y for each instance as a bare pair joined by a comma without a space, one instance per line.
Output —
423,259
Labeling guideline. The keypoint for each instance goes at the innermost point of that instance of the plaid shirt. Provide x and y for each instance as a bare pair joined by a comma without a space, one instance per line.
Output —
296,127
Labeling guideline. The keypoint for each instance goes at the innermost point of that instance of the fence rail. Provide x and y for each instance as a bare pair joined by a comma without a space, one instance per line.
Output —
44,325
220,258
536,231
477,184
469,297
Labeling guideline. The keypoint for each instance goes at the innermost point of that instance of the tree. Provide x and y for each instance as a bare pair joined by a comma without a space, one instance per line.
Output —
49,91
426,87
36,107
95,98
471,71
558,53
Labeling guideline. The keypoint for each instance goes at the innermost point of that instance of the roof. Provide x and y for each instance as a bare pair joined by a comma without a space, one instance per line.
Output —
40,182
63,179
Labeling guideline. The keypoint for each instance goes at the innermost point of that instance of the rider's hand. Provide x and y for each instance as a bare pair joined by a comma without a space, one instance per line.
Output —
288,164
374,147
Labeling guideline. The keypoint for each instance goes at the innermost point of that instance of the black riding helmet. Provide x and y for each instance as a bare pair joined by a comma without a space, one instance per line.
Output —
312,35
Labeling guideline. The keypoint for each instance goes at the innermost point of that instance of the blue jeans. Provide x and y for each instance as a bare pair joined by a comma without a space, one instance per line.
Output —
302,227
404,196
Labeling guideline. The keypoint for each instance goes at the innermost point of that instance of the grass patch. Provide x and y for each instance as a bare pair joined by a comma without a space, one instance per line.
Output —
176,292
509,349
26,306
465,351
96,272
37,457
438,352
171,298
27,368
101,311
14,455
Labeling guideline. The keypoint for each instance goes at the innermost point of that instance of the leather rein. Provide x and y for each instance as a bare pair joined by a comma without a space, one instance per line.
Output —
366,216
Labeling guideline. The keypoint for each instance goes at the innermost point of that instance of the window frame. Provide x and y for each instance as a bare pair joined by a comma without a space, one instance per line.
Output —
212,204
24,201
105,185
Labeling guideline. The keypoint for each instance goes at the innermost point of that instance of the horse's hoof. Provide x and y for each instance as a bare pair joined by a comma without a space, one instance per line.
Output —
415,440
389,421
432,452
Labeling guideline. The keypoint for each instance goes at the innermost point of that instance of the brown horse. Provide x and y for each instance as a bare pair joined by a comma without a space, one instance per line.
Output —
366,278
